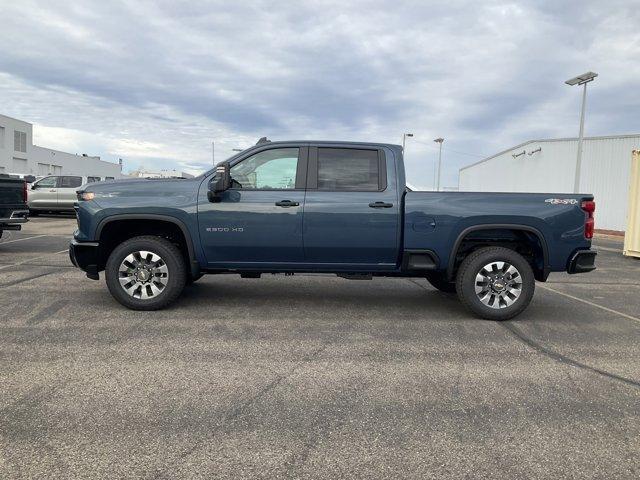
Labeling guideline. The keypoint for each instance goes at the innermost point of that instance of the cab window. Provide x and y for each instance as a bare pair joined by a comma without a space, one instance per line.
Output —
70,182
47,182
268,170
344,169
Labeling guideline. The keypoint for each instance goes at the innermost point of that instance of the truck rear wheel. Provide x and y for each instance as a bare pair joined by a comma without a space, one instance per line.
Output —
146,273
495,283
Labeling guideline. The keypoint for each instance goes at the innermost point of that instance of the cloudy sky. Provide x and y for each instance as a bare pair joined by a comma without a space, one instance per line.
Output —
156,82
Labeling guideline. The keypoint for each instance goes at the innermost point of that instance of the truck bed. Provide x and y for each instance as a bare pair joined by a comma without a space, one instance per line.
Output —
437,220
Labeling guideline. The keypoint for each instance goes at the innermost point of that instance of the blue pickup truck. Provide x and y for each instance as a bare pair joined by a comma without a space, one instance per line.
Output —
330,207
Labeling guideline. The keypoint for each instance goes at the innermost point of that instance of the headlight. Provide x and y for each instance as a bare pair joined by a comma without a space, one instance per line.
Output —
86,196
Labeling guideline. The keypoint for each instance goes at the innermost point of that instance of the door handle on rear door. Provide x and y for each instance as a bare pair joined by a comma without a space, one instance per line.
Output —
286,203
380,205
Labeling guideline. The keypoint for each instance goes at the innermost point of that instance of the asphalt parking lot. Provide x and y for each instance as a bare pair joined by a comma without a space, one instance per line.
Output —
312,376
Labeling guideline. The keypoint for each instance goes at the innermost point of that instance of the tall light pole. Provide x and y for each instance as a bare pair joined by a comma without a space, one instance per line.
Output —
580,80
439,140
404,137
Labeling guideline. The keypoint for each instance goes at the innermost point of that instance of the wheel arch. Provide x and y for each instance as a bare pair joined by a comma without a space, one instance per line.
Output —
158,219
540,275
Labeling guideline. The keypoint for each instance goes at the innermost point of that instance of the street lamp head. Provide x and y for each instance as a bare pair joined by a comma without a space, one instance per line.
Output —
408,134
581,79
439,140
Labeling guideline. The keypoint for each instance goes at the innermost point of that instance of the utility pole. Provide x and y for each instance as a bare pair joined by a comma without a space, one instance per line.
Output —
404,137
580,80
440,141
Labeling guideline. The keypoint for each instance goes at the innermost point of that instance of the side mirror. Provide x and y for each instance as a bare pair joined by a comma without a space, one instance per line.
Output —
34,186
220,182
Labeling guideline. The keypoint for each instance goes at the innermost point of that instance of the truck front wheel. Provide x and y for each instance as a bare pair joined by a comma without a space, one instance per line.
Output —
495,283
145,273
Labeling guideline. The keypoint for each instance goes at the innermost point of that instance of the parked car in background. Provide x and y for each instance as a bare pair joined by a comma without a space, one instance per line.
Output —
342,208
13,207
57,193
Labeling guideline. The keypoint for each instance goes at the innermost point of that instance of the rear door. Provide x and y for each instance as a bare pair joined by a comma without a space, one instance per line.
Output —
67,186
43,194
351,216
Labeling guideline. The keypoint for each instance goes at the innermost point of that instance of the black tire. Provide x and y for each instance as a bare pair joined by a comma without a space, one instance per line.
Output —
170,255
33,213
474,264
439,281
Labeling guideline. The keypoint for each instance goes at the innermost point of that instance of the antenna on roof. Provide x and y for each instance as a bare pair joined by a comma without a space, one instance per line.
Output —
263,140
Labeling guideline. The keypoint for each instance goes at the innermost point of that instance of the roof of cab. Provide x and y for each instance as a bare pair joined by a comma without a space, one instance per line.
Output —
326,142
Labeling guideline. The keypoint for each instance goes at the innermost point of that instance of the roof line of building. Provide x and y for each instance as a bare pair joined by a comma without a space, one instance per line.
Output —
92,157
602,137
15,119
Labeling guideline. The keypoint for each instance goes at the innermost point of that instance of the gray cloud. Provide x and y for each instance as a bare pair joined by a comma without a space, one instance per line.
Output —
155,82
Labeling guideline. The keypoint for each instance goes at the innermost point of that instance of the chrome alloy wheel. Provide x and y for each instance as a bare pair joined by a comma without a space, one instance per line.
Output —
143,274
498,284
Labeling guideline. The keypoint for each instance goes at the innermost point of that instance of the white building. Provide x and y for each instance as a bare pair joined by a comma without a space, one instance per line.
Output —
164,173
18,154
549,166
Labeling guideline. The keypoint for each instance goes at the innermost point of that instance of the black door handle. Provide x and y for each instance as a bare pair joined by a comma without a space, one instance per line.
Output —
286,203
380,205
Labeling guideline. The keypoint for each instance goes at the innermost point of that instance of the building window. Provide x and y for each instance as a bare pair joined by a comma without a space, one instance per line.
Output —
1,137
19,165
19,141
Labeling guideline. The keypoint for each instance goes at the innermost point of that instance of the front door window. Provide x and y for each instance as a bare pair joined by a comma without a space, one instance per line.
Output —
268,170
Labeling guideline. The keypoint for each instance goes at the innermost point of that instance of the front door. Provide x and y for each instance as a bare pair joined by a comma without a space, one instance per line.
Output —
258,221
352,211
43,194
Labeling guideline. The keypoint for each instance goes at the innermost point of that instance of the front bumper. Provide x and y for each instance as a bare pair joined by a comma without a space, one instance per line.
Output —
582,261
84,255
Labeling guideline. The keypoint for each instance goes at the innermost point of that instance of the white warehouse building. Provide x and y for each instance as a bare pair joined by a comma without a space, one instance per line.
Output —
18,155
549,166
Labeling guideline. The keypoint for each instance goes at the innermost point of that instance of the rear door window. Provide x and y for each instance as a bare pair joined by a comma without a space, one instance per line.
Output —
349,169
69,182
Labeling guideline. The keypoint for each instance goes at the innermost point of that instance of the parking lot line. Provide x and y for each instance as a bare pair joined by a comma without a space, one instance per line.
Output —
608,249
606,309
31,259
22,239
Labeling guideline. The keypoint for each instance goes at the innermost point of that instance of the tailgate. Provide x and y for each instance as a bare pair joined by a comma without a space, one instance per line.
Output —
11,195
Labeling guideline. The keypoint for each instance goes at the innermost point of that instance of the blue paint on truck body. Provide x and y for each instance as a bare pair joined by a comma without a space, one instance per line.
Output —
332,231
